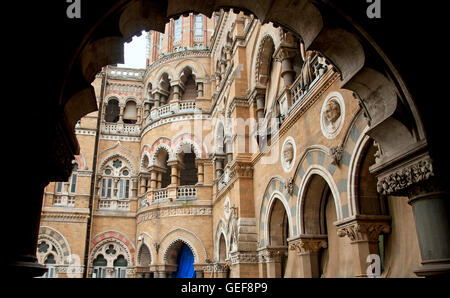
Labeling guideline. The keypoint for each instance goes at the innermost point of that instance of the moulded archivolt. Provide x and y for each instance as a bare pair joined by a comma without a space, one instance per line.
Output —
332,115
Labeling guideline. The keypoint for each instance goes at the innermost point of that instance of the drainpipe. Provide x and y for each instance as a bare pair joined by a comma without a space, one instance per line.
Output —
94,173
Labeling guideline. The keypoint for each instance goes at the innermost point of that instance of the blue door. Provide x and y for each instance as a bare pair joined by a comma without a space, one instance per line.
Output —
185,263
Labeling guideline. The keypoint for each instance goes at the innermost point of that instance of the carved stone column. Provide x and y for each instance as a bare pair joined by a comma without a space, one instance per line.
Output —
200,171
219,163
143,185
308,249
428,194
157,97
430,201
285,54
122,108
200,89
363,231
176,92
175,169
272,259
260,105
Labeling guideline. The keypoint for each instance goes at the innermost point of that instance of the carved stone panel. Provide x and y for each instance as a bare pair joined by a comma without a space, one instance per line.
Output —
288,154
332,115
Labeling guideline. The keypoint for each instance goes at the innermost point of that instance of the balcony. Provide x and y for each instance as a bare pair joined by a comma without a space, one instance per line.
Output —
319,69
172,109
64,200
121,128
113,205
188,192
180,193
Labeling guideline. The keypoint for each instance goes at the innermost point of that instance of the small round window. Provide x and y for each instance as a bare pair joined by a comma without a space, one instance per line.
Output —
125,172
107,172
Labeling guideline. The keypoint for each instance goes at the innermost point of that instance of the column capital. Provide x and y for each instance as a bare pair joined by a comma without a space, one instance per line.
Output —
364,228
306,244
396,180
156,169
271,254
285,52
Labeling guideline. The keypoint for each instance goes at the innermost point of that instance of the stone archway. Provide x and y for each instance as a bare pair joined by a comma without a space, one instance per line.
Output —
72,97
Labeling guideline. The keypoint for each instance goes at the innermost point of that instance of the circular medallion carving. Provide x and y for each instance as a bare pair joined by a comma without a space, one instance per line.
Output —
288,154
332,115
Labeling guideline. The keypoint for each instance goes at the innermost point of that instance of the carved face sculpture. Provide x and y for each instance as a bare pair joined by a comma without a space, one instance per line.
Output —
288,153
332,113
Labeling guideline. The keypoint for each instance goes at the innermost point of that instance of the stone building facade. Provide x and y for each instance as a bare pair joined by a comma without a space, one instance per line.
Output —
240,144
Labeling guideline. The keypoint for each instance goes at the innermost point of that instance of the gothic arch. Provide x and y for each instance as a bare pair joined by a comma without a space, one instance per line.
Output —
59,242
276,189
162,143
151,244
190,139
180,67
81,161
111,97
133,99
221,230
197,68
145,153
189,238
264,57
105,238
119,155
276,196
302,209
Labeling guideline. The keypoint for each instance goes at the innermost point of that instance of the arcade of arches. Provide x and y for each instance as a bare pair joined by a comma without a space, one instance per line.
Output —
261,140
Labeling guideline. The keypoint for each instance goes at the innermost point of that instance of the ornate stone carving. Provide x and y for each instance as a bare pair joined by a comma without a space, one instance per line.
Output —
336,154
271,254
244,258
332,115
304,246
288,154
174,211
400,179
240,169
364,231
289,186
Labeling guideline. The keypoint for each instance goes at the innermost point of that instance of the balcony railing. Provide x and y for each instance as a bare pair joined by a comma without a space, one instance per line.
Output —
319,68
171,109
121,128
160,194
64,200
224,179
112,204
187,192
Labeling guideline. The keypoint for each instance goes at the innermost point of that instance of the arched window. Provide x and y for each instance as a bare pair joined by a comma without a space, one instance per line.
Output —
112,111
161,159
50,263
190,87
115,180
188,173
144,256
100,264
130,113
120,267
198,26
73,180
177,29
